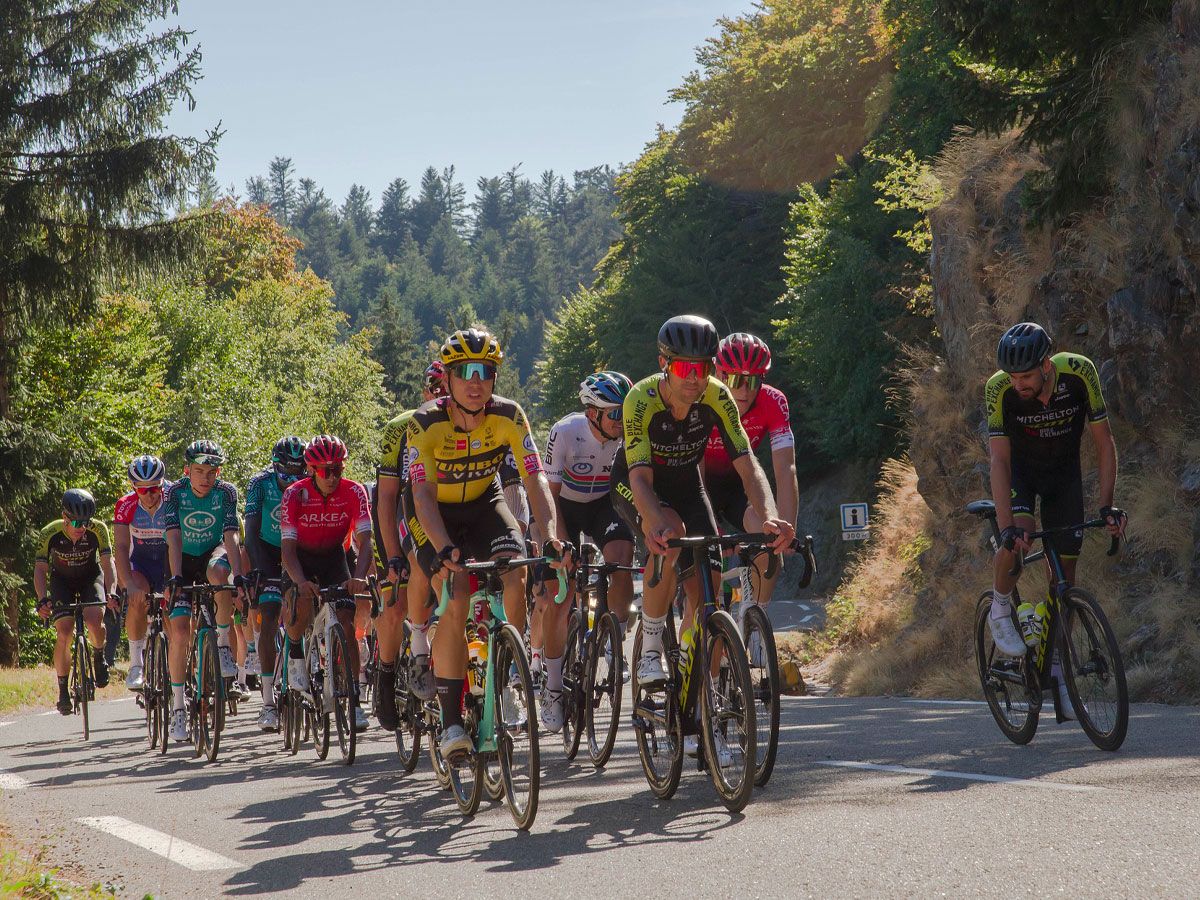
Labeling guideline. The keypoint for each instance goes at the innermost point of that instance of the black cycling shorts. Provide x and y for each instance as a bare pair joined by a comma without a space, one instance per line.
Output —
482,529
727,494
684,493
195,571
597,519
325,569
1061,493
271,566
65,592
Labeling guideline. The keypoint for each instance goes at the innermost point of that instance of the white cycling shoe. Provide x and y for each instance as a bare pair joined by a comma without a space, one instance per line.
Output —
360,720
455,743
134,681
552,710
651,673
1006,636
268,719
298,676
179,726
228,663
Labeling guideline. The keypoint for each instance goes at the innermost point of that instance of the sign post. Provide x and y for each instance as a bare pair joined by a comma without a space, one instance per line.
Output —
856,522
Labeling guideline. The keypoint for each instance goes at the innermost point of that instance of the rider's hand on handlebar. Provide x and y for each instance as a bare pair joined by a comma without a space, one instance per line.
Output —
310,590
1115,520
44,608
114,602
1015,538
558,552
450,557
785,533
394,567
355,585
657,533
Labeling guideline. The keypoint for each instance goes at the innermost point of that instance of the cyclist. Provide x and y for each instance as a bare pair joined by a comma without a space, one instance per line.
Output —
391,537
1037,406
579,458
74,555
202,548
742,361
456,506
318,512
264,496
668,418
139,532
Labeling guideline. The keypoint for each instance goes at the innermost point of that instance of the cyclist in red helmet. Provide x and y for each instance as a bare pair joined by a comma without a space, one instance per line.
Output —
317,513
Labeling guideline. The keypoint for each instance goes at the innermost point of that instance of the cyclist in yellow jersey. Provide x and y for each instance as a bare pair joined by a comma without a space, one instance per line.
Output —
456,506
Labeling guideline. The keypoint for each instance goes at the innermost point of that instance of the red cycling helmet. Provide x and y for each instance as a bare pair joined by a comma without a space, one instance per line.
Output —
325,450
435,378
745,354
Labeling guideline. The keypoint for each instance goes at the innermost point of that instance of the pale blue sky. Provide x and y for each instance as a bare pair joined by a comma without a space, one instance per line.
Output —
367,90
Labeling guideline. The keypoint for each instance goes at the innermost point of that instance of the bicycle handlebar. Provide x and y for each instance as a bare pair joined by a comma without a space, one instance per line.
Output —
504,564
1114,544
752,541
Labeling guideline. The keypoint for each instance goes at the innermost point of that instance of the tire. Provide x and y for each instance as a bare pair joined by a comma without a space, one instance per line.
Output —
466,781
441,769
295,722
727,709
84,679
1095,673
150,693
160,696
516,740
493,779
210,702
337,656
603,687
658,725
759,641
316,716
411,720
231,703
573,696
1010,685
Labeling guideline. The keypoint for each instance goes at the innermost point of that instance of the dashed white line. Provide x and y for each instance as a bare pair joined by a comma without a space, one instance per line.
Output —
965,776
919,701
187,855
10,782
2,724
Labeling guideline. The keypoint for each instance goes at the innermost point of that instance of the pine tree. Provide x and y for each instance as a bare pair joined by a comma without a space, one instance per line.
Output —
356,210
394,222
281,187
256,190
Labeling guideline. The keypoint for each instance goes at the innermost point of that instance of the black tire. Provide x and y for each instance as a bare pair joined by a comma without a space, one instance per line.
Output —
603,687
658,725
516,734
759,640
572,695
295,722
231,703
493,779
150,693
158,693
1009,684
1094,670
210,700
410,718
441,769
84,679
340,671
727,709
466,781
316,716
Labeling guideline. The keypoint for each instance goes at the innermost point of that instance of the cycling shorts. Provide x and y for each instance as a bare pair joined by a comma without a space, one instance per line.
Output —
152,567
65,592
272,567
195,571
326,569
1061,493
481,529
682,492
596,518
727,494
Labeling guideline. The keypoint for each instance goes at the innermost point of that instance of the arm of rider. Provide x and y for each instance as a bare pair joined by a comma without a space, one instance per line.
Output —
787,489
254,541
41,569
233,550
121,549
758,492
388,487
109,573
1106,458
175,551
656,526
542,505
430,518
364,559
1001,477
555,491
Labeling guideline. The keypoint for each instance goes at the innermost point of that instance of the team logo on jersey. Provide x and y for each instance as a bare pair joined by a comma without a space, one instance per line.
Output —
533,463
416,472
277,514
581,468
528,442
475,445
461,444
200,520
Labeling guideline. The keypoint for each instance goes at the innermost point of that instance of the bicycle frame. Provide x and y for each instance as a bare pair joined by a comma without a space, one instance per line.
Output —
584,592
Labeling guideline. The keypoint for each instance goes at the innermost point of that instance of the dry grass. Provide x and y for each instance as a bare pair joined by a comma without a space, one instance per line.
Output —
25,873
37,688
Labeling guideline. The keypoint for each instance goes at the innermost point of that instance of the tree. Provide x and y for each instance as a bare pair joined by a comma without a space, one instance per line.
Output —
257,191
356,210
394,222
87,175
281,188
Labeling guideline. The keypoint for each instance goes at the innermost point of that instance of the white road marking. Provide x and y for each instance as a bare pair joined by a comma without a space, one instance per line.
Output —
2,724
10,782
917,700
965,776
187,855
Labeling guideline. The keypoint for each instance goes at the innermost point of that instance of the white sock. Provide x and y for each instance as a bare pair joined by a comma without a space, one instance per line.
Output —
137,650
268,687
241,673
1001,604
177,697
222,635
420,639
652,632
535,659
554,674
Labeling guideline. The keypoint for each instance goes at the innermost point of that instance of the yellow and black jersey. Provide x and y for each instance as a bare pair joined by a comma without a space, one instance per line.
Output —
395,446
74,559
653,436
463,463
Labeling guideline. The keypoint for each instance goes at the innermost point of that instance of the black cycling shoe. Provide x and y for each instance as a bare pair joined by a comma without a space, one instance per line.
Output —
385,700
66,706
101,669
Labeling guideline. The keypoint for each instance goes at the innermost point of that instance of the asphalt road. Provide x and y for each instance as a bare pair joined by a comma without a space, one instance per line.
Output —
871,797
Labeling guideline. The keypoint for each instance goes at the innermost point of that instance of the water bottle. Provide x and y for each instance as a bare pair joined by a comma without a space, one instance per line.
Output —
477,660
1031,623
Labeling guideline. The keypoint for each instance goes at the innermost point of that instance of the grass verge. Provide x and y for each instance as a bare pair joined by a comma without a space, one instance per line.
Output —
25,874
37,688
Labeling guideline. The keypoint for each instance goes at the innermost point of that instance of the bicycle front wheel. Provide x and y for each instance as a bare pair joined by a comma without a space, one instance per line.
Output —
342,677
516,726
411,718
602,688
727,721
210,700
83,678
316,716
1094,671
441,768
1009,684
764,675
658,726
572,692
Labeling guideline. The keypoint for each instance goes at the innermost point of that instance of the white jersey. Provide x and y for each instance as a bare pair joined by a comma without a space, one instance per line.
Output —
578,460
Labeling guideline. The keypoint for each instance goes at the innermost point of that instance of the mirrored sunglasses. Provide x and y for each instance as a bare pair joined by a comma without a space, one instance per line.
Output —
467,371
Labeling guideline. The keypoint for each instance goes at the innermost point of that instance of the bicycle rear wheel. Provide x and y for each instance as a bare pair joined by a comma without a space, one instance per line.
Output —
316,716
1094,671
764,675
441,768
602,689
1009,683
572,695
82,675
658,726
411,717
210,702
516,726
342,676
727,713
467,777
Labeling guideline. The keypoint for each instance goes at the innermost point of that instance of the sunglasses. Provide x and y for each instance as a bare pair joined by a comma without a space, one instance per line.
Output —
685,368
80,523
329,471
480,370
737,380
615,414
152,489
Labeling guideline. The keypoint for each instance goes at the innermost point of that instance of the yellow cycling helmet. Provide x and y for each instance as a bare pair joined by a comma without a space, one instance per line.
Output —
471,345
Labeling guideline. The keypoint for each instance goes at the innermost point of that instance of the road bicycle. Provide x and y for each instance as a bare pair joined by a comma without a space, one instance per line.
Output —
204,686
1075,634
82,685
155,696
722,698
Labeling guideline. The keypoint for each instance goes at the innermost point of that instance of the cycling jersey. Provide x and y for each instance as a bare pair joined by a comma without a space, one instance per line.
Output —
202,520
464,463
1047,436
767,415
263,496
653,436
395,446
147,530
578,460
319,524
75,560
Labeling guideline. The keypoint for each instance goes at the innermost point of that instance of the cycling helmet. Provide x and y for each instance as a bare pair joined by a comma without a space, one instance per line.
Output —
604,389
207,453
435,377
287,456
690,337
471,345
744,354
1023,347
325,450
79,504
146,468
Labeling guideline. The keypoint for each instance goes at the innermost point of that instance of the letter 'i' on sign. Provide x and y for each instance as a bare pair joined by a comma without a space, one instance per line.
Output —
856,522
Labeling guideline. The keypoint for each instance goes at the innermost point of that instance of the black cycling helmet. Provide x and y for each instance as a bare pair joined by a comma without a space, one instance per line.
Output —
79,504
690,337
207,453
287,456
1023,347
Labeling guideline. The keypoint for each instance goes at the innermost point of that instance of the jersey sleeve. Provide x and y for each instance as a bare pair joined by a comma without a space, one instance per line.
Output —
103,538
635,424
520,441
1086,370
126,507
171,508
421,461
779,425
553,455
729,422
232,522
390,463
44,538
993,401
289,511
362,509
254,496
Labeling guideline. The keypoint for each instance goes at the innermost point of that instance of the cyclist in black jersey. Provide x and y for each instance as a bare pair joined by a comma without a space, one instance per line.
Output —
1037,407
